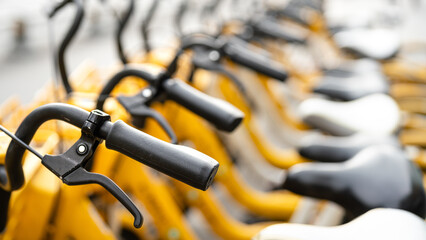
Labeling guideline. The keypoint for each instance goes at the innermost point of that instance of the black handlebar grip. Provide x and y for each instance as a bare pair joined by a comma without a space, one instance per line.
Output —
220,113
182,163
246,57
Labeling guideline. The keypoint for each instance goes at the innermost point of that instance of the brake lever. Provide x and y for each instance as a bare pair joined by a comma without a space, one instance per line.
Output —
70,166
210,60
138,108
80,176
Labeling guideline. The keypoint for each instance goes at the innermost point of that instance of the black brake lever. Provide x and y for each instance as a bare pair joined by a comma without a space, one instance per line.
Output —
137,107
80,176
210,60
69,166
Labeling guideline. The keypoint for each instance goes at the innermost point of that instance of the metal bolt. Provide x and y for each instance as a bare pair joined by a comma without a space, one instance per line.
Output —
214,55
82,149
147,92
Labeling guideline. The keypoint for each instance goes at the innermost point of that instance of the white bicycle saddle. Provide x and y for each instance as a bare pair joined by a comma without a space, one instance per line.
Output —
373,114
380,223
378,44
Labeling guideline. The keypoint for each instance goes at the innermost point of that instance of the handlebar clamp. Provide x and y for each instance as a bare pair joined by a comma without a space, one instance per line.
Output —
94,121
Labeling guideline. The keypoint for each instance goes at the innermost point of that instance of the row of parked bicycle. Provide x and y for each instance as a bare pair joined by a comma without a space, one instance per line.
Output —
232,125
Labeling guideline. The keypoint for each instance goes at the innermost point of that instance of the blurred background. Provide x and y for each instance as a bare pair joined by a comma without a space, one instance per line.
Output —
26,61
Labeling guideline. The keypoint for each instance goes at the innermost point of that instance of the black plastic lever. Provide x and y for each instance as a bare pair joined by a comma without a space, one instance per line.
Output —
137,107
209,60
80,176
118,77
69,166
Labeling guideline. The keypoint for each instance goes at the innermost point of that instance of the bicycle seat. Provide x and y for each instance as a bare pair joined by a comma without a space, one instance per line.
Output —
373,114
381,223
379,44
378,176
352,87
338,149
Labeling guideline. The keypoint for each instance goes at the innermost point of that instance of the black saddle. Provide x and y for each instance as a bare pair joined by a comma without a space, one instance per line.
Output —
352,86
351,67
324,148
377,177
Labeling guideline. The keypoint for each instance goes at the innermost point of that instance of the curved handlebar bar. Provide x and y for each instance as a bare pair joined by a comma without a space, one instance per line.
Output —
68,38
122,23
26,131
146,21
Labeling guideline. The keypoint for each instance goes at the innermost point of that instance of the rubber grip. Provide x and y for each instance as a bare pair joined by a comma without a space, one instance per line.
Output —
182,163
246,57
221,114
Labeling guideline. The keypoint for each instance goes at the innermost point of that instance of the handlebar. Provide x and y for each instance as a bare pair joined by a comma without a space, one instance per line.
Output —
218,112
144,148
183,163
